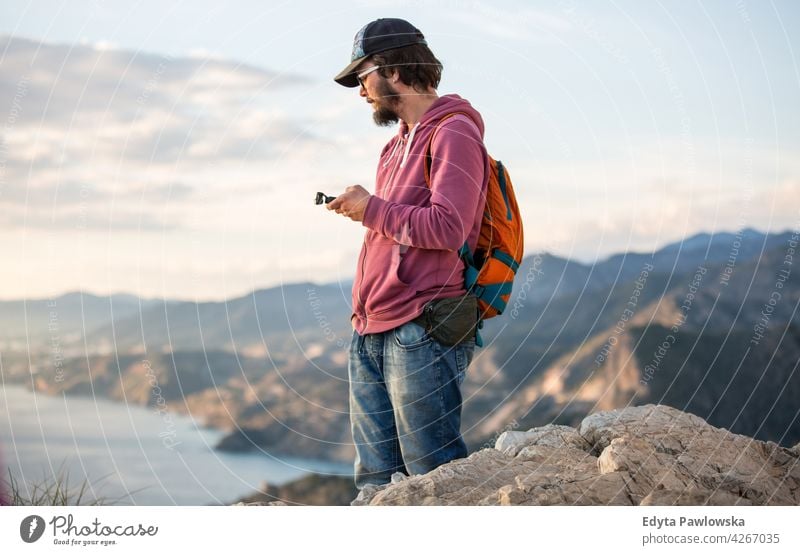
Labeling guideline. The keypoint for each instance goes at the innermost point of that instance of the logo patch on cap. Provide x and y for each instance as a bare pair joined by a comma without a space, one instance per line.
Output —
358,44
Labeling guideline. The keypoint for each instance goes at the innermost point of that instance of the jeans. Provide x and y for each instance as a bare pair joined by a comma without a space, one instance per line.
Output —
405,402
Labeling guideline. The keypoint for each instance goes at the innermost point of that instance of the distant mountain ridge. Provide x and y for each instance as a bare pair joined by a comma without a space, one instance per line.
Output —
271,367
241,322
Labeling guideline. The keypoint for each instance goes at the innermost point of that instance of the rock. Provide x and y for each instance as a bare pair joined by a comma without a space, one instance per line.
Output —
600,428
367,492
649,455
693,496
511,443
313,489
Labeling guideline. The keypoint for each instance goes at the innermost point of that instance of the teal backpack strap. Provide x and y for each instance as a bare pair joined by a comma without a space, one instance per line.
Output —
470,271
471,284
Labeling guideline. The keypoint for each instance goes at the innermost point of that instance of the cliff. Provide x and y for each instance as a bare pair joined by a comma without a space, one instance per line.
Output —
648,455
314,489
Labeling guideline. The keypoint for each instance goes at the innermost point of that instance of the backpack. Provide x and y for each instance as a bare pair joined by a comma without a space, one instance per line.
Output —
489,271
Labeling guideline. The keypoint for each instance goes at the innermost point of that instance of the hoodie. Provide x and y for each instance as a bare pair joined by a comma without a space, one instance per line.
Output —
410,251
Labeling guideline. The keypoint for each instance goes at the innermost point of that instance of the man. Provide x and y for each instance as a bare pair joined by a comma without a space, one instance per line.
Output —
405,398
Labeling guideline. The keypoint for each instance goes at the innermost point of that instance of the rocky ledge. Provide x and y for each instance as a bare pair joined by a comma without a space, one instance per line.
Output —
313,489
648,455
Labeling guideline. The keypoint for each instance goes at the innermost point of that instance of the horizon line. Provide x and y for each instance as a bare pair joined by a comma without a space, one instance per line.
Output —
597,260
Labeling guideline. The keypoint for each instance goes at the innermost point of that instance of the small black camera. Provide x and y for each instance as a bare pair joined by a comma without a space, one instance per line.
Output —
322,197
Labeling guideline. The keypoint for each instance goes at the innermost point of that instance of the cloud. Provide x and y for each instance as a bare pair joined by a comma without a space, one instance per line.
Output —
67,81
77,218
90,125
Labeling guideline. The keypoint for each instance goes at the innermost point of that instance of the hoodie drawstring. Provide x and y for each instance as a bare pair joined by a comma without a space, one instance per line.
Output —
389,159
408,145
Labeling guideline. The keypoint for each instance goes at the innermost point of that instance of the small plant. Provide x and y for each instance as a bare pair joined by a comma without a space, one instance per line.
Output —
54,490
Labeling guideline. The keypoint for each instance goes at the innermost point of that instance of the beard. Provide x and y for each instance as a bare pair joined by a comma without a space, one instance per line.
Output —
388,98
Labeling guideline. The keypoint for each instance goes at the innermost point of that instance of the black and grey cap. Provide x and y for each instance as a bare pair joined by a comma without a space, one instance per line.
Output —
378,36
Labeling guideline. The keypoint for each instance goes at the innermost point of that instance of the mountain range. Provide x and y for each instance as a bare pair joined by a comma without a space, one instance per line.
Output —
708,325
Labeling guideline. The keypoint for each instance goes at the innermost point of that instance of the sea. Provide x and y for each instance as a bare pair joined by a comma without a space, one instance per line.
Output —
131,455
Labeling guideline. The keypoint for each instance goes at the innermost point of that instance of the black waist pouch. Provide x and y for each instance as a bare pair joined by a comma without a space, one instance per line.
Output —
450,321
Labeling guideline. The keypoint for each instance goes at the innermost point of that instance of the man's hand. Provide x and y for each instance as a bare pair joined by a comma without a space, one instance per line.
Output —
351,203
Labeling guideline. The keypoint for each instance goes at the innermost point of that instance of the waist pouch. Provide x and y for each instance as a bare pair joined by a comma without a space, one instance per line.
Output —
450,321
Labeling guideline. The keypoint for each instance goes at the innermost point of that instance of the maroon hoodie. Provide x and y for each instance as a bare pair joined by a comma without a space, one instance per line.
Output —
410,250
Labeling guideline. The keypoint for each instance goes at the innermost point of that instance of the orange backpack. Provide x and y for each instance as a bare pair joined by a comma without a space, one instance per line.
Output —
489,271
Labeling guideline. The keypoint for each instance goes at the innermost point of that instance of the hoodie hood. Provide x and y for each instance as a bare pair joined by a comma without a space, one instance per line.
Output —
442,106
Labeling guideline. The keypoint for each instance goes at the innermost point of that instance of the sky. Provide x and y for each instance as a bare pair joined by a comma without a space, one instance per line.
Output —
172,149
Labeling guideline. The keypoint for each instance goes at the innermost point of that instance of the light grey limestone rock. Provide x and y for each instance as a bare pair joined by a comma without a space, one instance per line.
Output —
552,435
649,455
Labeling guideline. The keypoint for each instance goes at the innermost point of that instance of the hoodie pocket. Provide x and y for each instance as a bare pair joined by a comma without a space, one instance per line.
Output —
398,256
383,287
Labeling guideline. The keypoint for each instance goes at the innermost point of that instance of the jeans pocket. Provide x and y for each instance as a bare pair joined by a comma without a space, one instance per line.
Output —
356,344
464,353
411,336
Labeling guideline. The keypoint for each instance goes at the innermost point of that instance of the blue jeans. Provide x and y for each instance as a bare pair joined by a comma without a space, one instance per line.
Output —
405,402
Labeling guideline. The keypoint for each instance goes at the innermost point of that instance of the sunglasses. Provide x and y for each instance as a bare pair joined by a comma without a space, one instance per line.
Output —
360,76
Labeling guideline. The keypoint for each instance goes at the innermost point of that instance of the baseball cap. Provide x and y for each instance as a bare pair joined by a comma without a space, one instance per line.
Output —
378,36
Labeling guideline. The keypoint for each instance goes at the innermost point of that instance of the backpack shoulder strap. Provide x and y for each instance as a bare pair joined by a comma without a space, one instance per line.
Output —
428,156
